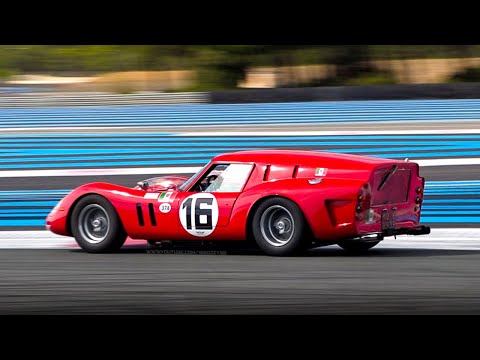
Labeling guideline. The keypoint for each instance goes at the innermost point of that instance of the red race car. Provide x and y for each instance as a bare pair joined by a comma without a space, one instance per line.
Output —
285,200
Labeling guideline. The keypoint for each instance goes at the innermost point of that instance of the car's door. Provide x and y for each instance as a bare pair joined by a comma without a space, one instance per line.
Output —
205,213
201,213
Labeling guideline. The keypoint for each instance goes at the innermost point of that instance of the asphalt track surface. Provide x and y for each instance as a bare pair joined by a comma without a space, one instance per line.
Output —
326,281
203,281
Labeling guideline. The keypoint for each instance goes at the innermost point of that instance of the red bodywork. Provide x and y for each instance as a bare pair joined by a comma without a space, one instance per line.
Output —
341,197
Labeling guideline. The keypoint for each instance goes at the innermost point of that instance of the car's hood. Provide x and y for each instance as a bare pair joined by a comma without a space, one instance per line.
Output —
162,183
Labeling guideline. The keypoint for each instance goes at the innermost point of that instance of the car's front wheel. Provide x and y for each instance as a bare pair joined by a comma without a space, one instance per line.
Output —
96,225
279,227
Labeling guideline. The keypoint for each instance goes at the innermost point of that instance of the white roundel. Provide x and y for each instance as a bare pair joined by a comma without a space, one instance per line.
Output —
199,214
165,207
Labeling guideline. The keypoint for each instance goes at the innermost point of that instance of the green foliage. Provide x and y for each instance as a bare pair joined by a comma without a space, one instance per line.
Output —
222,66
373,78
467,75
378,52
100,58
367,78
6,73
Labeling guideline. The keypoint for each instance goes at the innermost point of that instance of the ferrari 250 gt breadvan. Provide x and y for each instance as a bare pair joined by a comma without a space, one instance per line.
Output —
285,201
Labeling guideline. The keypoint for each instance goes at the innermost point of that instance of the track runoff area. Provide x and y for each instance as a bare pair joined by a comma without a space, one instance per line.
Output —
39,169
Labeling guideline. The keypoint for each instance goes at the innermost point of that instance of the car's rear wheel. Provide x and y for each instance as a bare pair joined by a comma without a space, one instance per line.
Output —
96,225
356,246
279,227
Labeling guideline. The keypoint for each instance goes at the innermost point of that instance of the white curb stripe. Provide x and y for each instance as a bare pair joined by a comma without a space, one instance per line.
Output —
184,169
439,239
330,133
447,162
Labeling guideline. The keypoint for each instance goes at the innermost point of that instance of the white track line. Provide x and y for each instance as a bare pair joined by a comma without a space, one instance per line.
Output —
150,128
183,169
444,239
447,162
439,239
66,128
36,239
330,133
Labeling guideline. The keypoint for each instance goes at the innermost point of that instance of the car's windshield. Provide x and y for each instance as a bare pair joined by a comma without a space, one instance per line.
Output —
189,182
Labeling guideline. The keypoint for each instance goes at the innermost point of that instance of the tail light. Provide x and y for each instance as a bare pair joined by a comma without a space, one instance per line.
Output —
419,195
364,201
419,190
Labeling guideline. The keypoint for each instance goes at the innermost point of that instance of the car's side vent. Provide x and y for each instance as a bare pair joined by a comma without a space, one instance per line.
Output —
152,214
267,172
140,215
295,171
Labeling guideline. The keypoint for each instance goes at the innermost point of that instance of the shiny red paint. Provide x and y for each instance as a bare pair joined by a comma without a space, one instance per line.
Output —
346,203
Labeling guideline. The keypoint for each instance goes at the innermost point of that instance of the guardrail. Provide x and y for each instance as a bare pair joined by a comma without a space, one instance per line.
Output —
279,95
349,93
51,99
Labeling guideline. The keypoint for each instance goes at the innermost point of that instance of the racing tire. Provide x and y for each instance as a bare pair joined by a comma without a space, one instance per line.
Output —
279,227
357,246
96,225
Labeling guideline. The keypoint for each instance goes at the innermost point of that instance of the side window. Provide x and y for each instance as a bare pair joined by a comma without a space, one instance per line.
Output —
225,178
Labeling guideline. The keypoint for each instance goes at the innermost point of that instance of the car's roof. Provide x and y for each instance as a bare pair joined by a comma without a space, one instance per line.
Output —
306,157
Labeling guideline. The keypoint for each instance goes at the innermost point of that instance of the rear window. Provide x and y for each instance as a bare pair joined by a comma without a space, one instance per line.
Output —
395,188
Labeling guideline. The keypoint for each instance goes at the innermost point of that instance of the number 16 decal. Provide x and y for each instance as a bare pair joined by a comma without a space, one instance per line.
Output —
199,214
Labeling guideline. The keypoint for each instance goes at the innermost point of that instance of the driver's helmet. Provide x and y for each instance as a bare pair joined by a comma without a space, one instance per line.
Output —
215,184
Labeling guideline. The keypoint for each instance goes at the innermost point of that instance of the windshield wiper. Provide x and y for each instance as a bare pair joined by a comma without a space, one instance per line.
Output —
387,176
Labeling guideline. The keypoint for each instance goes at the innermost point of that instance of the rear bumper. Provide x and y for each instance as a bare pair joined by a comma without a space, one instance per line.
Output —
377,236
418,230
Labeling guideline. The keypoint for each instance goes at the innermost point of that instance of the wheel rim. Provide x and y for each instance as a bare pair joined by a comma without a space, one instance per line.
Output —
277,225
93,223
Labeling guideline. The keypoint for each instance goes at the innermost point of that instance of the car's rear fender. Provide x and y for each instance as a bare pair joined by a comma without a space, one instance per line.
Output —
328,206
